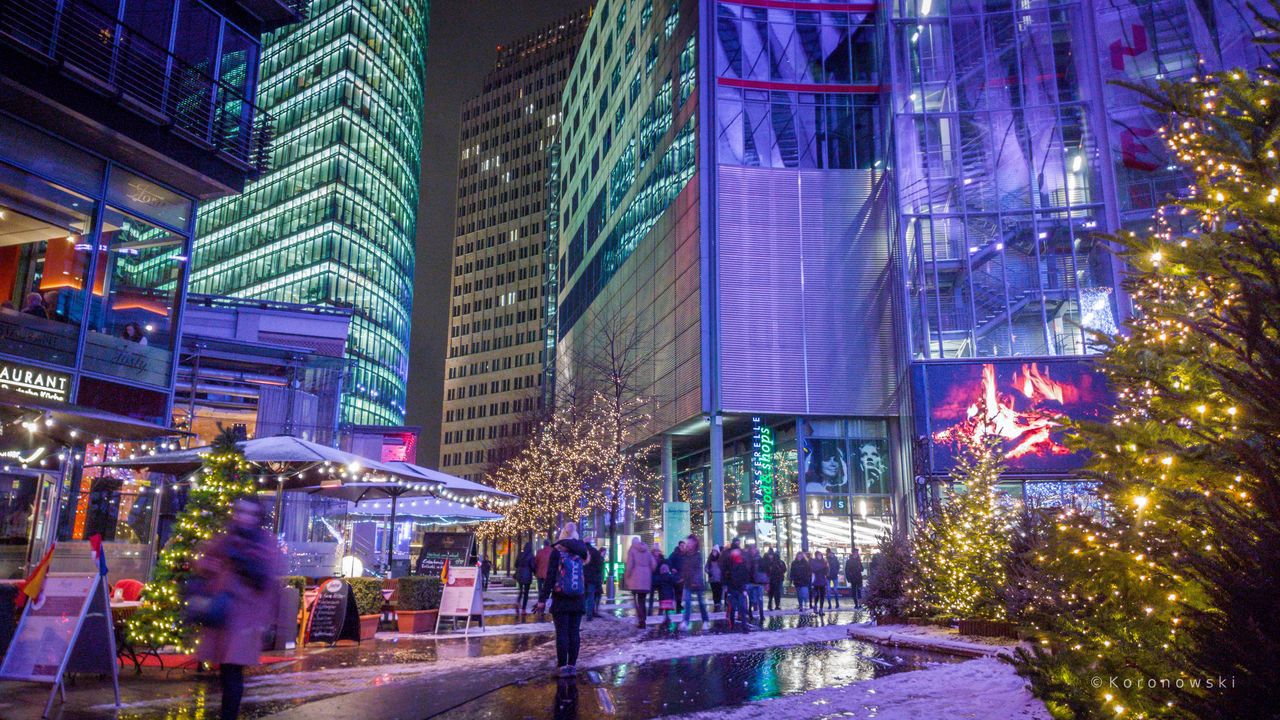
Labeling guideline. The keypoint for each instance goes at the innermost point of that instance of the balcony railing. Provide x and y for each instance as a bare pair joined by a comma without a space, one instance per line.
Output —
117,62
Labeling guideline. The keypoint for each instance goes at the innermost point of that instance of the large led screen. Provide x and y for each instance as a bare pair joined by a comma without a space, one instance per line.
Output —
1023,403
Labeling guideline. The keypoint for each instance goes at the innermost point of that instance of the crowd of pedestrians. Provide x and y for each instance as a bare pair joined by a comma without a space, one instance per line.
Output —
743,581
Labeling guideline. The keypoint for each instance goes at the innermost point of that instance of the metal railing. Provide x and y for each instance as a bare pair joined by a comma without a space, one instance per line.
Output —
118,62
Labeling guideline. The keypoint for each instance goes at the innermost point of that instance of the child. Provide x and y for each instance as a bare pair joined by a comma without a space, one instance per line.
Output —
664,586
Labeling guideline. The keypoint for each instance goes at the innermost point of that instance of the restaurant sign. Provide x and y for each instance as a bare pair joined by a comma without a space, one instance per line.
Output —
34,381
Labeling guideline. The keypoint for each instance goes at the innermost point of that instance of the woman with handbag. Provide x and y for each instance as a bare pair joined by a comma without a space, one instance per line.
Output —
237,594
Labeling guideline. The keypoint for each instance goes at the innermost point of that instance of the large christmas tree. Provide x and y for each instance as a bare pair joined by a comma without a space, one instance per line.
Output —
224,478
1169,605
960,551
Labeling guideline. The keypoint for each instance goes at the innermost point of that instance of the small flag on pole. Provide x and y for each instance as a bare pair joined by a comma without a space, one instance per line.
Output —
95,544
34,584
444,572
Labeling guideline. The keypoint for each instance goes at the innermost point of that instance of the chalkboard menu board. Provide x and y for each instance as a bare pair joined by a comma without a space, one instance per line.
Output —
438,547
333,615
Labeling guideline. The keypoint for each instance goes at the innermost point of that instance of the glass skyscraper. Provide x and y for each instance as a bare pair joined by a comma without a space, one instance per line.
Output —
334,222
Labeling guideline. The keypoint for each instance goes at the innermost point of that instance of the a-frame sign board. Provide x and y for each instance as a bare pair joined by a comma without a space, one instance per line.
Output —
462,597
67,629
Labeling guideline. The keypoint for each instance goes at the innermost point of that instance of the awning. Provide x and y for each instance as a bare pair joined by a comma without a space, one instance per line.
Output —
452,487
69,424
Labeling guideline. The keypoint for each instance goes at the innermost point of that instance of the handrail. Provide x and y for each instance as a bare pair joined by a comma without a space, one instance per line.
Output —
121,63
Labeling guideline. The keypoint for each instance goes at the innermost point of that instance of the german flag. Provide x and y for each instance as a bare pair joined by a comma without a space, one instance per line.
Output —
34,584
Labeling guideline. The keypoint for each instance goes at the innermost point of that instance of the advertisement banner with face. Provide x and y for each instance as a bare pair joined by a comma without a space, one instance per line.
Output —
826,468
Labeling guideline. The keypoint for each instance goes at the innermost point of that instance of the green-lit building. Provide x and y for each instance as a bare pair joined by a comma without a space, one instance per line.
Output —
333,223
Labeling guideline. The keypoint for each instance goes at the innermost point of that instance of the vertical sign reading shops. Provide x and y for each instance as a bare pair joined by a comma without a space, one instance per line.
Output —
762,445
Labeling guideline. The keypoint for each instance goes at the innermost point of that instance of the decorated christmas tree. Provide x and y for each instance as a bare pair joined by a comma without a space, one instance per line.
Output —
961,550
224,478
1168,604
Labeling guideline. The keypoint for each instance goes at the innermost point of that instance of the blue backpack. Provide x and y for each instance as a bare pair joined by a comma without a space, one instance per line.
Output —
570,581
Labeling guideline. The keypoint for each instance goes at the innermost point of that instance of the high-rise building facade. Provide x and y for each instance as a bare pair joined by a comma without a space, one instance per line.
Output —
725,202
494,370
334,222
853,234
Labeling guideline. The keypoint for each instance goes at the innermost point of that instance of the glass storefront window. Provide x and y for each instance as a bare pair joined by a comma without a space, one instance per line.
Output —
131,320
44,260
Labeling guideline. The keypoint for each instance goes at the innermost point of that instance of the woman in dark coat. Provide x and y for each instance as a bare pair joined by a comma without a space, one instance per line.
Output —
524,575
818,565
801,577
566,610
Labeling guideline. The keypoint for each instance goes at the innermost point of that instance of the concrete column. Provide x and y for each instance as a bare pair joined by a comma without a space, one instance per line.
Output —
668,471
716,511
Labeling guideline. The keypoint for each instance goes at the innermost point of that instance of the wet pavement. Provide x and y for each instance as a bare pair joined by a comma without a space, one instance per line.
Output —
684,685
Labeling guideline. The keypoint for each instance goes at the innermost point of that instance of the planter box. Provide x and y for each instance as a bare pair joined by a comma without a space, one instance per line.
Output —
988,628
368,626
416,621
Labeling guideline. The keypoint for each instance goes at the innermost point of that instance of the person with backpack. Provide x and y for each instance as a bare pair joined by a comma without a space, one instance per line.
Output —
801,577
691,582
818,566
239,573
638,577
567,589
714,576
735,587
524,577
594,575
777,576
853,574
664,587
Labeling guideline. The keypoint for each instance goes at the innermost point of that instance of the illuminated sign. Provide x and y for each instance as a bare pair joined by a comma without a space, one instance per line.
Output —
36,382
762,445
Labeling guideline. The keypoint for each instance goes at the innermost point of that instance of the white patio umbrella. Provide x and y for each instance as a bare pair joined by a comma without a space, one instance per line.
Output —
451,487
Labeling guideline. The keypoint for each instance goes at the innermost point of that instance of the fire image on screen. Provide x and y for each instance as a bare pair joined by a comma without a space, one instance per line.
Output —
1024,404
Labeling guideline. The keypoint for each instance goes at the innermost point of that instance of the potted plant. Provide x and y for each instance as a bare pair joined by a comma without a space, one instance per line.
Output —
417,603
369,601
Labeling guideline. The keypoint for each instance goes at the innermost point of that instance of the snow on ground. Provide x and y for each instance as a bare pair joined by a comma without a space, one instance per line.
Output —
983,688
932,637
689,645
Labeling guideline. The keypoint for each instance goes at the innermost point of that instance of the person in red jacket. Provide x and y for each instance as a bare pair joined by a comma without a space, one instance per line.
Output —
541,566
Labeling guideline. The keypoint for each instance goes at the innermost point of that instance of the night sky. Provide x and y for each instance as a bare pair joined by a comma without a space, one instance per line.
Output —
460,51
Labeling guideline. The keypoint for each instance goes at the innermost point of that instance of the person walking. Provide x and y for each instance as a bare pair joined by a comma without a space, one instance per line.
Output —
658,560
486,567
714,578
524,577
567,588
541,568
818,566
759,579
593,573
691,583
833,579
777,575
801,576
638,577
664,586
853,575
674,559
735,589
242,566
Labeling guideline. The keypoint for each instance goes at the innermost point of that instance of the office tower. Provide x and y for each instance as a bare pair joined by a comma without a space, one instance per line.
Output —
494,369
334,222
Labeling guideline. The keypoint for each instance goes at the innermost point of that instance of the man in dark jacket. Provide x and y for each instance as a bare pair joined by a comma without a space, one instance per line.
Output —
735,588
853,573
801,577
777,575
524,576
566,608
673,561
691,582
594,575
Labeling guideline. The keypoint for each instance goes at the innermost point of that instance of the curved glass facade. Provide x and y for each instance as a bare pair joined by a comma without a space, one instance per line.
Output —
334,222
